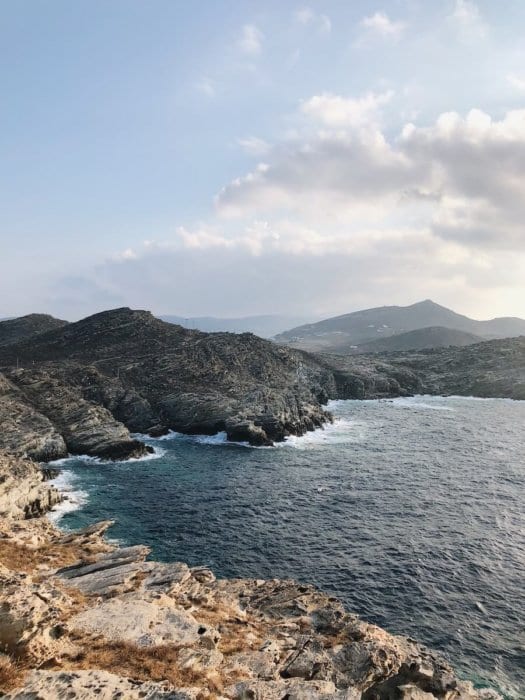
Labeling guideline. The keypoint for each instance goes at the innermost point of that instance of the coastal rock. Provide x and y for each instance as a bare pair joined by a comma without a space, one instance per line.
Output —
86,685
82,387
126,367
49,419
136,619
179,630
23,491
26,432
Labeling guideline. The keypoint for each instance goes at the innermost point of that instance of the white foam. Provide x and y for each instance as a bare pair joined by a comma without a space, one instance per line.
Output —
157,452
416,403
73,498
170,435
341,432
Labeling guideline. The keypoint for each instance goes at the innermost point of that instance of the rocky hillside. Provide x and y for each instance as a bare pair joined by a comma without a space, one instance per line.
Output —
340,333
14,330
492,369
82,619
82,387
85,387
420,339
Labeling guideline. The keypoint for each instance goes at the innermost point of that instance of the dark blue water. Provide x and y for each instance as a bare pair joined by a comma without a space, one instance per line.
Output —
410,511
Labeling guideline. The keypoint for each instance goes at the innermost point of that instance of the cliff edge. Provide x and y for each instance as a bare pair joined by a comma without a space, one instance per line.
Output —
80,618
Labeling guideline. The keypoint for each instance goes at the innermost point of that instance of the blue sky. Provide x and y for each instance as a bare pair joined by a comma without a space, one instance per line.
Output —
232,158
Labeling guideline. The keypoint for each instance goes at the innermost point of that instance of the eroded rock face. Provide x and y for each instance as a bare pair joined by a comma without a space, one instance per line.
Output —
23,491
82,387
84,427
125,370
87,685
202,637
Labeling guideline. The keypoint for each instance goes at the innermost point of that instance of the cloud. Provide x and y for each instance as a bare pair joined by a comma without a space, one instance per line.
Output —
468,20
336,111
441,178
380,25
254,146
516,81
251,40
266,266
307,17
342,216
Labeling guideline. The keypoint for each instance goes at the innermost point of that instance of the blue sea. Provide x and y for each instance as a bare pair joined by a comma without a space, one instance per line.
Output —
409,510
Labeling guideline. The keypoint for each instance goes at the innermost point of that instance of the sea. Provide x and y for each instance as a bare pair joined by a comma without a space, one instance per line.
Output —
410,510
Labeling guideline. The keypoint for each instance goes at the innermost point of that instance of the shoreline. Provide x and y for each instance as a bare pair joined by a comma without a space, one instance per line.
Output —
231,638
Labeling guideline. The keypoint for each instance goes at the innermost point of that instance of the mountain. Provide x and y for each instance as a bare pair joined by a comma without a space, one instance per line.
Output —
263,326
420,339
340,333
83,386
13,330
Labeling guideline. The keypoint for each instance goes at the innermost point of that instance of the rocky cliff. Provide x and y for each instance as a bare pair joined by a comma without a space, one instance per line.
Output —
24,492
84,387
80,618
150,376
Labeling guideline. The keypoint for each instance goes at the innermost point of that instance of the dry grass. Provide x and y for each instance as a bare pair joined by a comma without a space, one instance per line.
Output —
19,557
11,673
238,634
160,664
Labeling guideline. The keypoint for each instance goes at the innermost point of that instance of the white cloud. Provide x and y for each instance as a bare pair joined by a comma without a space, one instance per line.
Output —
516,81
440,178
344,216
468,20
336,111
306,16
379,24
251,40
254,146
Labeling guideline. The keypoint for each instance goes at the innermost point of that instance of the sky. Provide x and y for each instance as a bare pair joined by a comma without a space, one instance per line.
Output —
233,158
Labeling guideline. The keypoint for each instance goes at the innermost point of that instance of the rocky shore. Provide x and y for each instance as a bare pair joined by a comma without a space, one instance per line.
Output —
82,619
82,388
86,387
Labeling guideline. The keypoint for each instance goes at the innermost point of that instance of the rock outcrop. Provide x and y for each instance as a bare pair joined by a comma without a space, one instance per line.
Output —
23,491
84,387
493,369
153,376
80,618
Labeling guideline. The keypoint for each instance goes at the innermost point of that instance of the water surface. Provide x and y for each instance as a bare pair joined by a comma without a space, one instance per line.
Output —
411,511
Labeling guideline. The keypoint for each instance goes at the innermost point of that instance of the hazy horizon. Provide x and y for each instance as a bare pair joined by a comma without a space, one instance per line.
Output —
302,319
311,159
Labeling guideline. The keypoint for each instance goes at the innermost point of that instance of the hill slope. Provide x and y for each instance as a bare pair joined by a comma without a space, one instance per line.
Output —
83,387
338,334
14,330
152,376
420,339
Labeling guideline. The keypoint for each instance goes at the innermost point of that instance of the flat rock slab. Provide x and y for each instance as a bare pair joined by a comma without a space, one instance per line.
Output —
86,685
139,621
126,555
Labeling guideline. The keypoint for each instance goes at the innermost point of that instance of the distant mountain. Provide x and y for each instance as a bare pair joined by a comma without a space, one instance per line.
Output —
13,330
343,333
420,339
263,326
